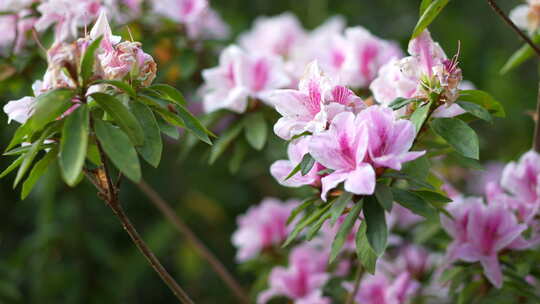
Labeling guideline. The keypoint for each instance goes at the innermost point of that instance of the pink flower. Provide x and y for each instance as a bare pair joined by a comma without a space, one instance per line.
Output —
527,16
182,11
489,229
365,55
208,26
404,77
282,168
389,139
15,26
378,289
276,35
239,76
67,15
313,105
261,227
522,180
304,277
402,217
20,110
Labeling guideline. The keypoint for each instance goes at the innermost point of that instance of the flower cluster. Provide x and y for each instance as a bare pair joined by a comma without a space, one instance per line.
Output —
353,55
114,60
481,232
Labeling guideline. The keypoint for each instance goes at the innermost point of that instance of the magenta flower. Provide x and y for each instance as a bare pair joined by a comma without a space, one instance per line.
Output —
303,278
276,35
389,139
522,180
365,55
378,289
261,227
282,168
240,76
182,11
313,105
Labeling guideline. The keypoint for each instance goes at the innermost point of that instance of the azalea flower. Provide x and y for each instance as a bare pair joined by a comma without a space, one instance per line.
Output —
276,35
20,110
208,26
378,289
426,68
182,11
302,280
313,105
261,227
282,168
240,76
14,30
527,16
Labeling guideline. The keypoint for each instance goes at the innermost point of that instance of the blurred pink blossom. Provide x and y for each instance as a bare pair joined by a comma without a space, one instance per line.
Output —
379,289
182,11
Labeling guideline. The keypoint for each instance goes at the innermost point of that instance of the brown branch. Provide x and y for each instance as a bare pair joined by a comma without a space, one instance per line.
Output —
510,23
109,193
536,141
171,215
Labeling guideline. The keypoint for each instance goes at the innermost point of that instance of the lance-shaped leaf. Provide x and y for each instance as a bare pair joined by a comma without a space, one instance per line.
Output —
37,171
224,141
458,134
344,230
169,93
384,196
400,102
194,125
87,61
123,86
339,205
14,165
475,110
428,15
304,166
31,155
49,106
256,130
377,231
424,5
366,255
308,202
121,115
152,148
414,202
307,220
119,149
483,99
74,144
520,56
419,116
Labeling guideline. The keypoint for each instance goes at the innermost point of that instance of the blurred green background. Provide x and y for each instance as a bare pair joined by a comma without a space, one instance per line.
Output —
63,245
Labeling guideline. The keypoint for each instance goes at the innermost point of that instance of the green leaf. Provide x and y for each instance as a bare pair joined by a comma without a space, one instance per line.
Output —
31,155
465,162
123,86
304,166
74,144
256,130
377,232
87,61
152,148
170,93
413,181
308,219
366,255
308,202
520,56
240,149
483,99
194,125
400,102
39,169
414,202
418,168
384,196
475,110
312,232
224,141
92,154
424,5
119,149
429,14
14,165
338,205
23,149
344,230
431,196
48,107
167,129
419,116
122,117
458,134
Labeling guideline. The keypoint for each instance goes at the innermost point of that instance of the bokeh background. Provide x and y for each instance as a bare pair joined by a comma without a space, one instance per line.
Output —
63,245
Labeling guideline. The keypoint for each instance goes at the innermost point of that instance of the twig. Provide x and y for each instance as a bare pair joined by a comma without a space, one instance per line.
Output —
359,272
171,215
110,196
14,45
536,140
503,16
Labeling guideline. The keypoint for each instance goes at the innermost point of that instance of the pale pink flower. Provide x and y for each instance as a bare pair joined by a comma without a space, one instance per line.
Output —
378,289
343,148
17,25
182,11
313,105
527,16
276,35
208,26
522,180
20,110
67,16
282,168
390,139
479,179
329,232
305,275
365,55
402,218
239,76
261,227
403,78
